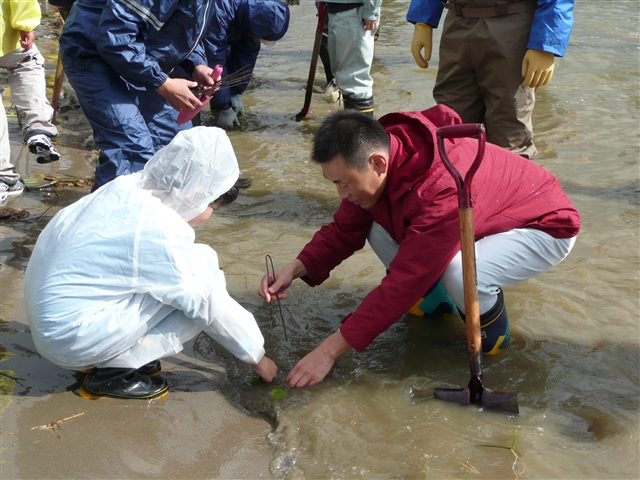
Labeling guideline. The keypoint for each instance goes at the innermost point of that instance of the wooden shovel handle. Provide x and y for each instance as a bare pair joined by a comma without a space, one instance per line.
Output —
467,235
469,280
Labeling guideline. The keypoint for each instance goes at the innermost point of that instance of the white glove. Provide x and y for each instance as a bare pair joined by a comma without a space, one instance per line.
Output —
227,119
236,104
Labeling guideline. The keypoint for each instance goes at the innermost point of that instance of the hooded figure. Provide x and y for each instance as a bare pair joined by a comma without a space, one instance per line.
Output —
116,281
233,40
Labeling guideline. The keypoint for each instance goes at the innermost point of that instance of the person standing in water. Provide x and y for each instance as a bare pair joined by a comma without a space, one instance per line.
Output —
120,59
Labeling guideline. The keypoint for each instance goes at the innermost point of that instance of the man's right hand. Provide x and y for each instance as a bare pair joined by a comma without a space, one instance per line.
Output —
177,92
422,38
272,288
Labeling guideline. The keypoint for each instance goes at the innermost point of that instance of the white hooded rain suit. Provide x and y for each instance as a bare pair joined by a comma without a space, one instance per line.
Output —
116,280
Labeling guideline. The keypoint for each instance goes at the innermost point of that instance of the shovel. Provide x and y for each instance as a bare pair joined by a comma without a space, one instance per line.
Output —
306,109
475,392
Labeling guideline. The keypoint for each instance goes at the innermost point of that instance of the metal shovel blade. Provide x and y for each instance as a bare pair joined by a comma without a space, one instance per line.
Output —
505,402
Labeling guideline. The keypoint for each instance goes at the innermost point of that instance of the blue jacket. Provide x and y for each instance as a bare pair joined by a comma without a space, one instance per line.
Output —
550,30
232,38
142,40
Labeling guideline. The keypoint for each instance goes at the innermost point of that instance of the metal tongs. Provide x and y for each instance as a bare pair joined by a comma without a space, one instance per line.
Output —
271,274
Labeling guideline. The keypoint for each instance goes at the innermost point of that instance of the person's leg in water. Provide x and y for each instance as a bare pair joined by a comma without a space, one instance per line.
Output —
503,260
351,55
119,129
117,378
29,95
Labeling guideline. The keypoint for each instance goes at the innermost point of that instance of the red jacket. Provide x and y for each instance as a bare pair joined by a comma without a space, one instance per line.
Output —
419,209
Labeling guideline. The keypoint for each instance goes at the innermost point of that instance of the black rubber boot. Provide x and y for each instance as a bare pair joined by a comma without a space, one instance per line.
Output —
152,368
494,327
363,105
122,383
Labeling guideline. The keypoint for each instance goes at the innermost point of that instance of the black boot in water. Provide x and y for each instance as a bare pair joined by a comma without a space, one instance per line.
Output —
363,105
122,383
152,368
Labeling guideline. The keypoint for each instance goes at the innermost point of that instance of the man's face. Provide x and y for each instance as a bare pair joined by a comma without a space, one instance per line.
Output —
360,187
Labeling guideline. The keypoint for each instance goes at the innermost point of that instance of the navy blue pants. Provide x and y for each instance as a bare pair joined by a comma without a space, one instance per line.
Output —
129,124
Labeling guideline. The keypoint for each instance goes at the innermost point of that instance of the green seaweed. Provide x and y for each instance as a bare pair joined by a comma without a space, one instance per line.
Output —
278,394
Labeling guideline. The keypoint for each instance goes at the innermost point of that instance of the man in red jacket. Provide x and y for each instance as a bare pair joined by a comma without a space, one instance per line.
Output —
397,194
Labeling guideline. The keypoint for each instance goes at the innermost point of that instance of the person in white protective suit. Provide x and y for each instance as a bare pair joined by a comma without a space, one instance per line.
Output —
116,281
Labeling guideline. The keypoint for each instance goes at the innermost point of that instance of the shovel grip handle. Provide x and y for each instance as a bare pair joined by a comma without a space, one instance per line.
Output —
462,131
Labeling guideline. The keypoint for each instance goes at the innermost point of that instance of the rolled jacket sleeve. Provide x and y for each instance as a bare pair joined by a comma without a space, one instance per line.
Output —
552,26
25,15
425,11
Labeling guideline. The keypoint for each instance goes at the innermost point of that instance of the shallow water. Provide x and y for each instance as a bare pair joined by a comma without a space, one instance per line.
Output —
574,358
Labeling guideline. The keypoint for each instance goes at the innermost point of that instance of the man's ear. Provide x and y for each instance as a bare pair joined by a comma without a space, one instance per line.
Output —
380,162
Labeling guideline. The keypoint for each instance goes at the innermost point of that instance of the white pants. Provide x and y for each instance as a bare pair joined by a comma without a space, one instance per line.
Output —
163,339
6,163
351,53
29,91
502,260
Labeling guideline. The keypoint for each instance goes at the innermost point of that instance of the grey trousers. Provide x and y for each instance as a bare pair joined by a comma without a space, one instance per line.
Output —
502,260
351,53
29,91
480,76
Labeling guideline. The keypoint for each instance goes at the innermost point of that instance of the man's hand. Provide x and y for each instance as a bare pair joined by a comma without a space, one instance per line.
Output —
272,288
26,40
316,365
537,68
177,92
266,369
202,75
422,38
370,25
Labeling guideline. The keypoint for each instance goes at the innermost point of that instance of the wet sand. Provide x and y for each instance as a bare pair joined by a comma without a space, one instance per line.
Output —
194,432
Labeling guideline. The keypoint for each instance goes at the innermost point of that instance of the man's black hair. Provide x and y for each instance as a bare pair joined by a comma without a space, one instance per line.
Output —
231,194
351,134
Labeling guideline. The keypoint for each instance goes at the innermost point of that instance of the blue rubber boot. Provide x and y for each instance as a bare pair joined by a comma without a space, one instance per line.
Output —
494,327
435,302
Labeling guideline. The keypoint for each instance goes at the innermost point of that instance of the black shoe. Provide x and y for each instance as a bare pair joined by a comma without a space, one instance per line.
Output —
152,368
363,105
122,383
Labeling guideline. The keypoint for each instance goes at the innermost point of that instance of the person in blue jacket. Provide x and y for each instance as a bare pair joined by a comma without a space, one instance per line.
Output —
233,40
120,58
493,55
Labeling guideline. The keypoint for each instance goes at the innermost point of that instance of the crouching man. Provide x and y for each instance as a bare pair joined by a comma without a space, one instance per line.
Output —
116,281
397,194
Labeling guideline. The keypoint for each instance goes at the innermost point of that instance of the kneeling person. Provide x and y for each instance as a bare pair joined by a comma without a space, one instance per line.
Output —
116,281
397,194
